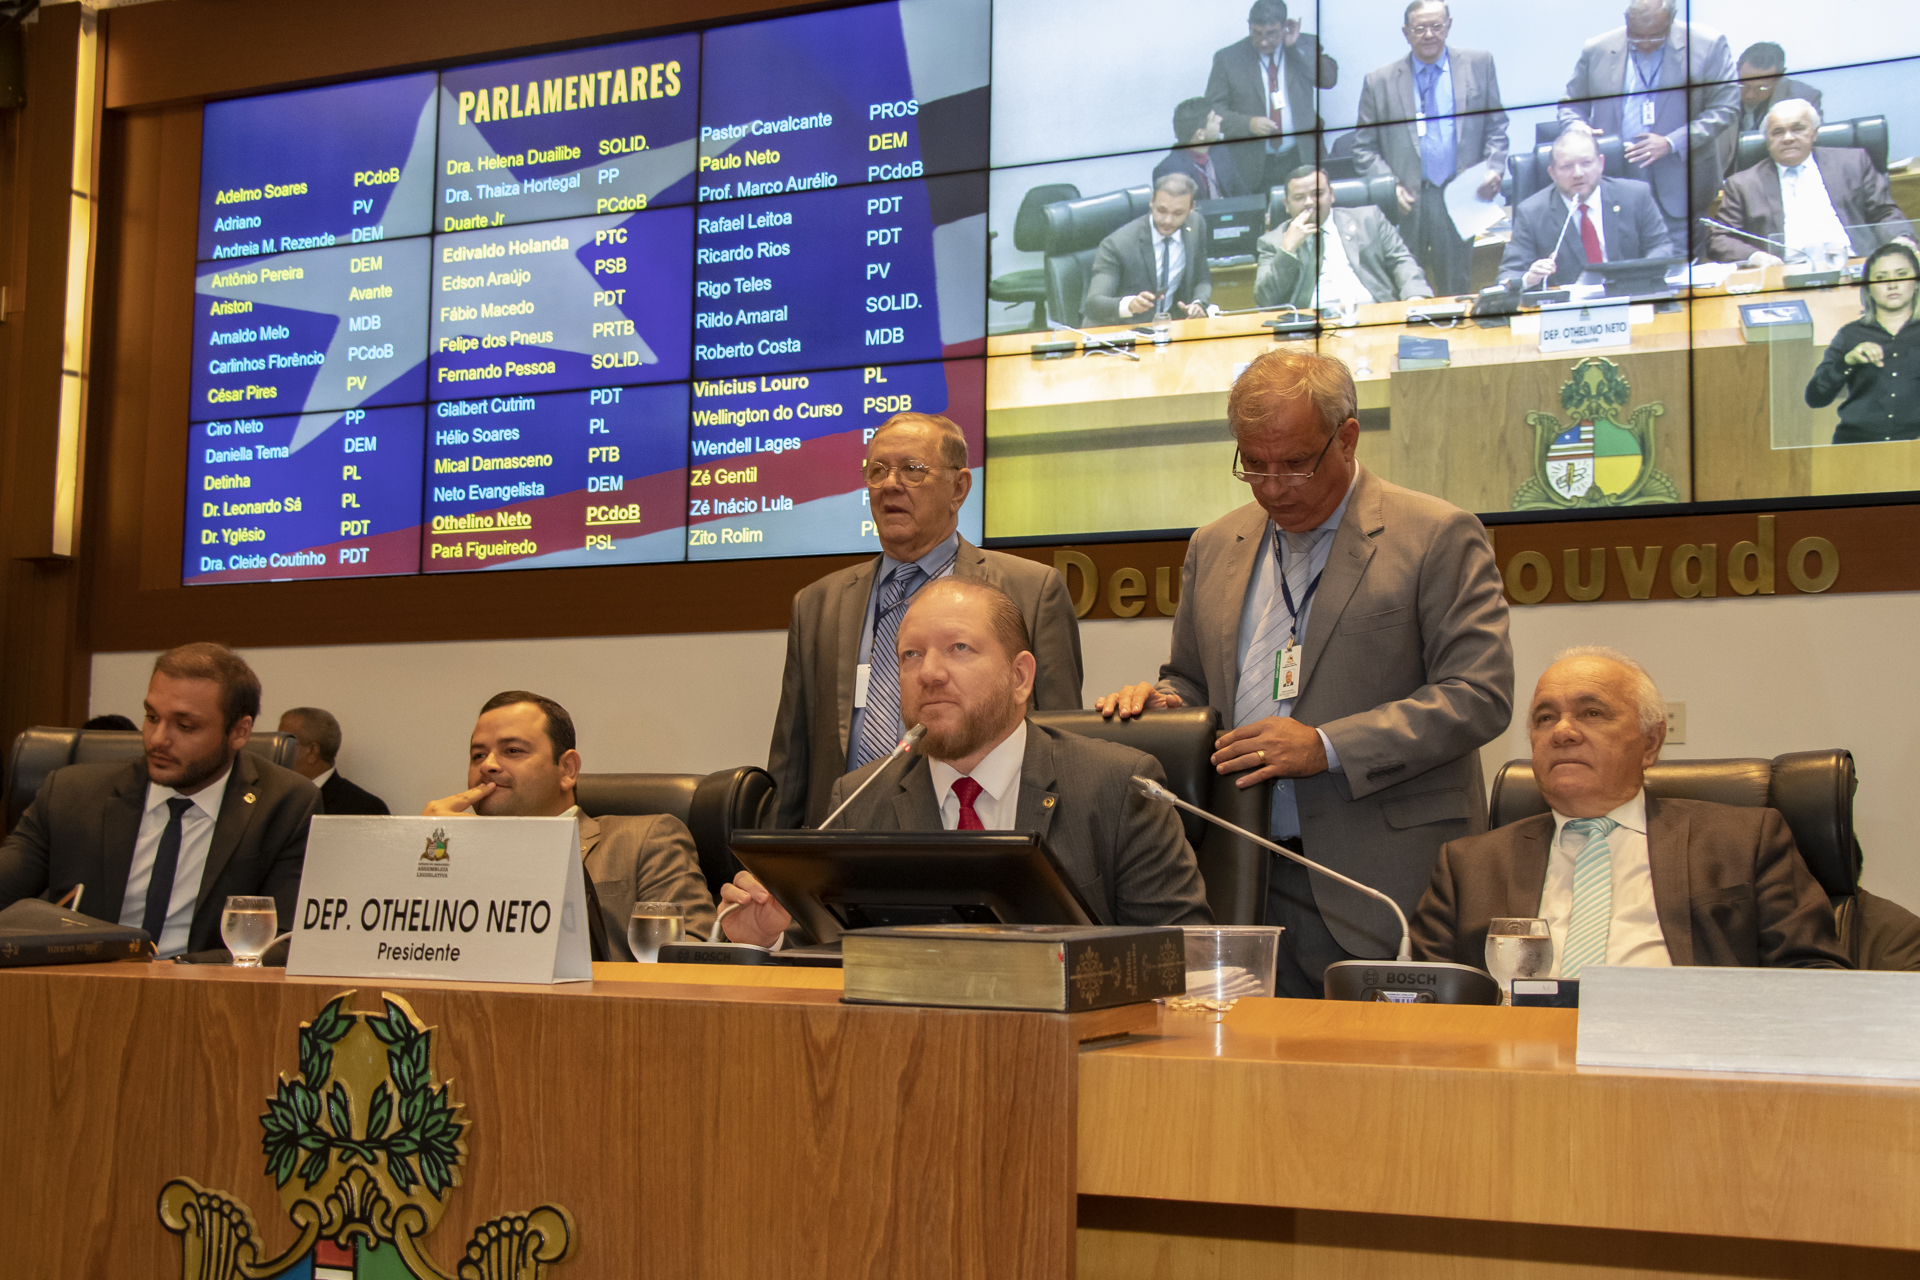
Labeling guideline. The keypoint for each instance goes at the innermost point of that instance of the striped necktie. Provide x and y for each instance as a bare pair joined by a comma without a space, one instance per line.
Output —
1253,697
1592,895
880,726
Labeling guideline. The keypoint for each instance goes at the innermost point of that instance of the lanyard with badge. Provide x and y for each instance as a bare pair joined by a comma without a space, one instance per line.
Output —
1286,661
863,673
1648,87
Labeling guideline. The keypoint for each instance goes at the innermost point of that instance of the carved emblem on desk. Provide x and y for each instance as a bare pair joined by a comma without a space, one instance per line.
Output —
366,1145
1604,455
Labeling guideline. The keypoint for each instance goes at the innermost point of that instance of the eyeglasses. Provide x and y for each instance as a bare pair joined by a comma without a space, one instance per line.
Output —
1428,28
912,473
1284,477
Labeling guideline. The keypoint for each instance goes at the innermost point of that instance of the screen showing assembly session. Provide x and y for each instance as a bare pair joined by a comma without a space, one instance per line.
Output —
646,301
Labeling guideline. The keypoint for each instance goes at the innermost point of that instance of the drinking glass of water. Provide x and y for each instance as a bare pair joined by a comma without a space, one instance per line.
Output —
1517,947
653,925
248,926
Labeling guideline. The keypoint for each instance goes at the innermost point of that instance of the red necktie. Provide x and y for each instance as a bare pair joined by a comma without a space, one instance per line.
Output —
1590,237
968,790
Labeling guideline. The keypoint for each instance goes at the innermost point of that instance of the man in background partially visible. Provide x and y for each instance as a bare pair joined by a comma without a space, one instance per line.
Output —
317,735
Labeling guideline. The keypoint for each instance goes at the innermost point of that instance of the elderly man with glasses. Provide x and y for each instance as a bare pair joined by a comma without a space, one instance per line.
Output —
1354,636
840,697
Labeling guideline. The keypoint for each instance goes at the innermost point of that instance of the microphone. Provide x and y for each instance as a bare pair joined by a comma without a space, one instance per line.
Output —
1748,235
1154,791
1092,340
908,741
1402,980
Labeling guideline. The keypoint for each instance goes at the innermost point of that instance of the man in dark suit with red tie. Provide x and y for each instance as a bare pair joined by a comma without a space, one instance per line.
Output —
1581,218
1263,87
1214,167
161,842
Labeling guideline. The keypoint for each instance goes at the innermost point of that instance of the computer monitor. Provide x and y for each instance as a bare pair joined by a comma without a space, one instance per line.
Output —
833,881
1234,223
1633,277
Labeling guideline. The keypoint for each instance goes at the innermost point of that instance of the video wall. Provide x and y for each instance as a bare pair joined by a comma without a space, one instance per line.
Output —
645,301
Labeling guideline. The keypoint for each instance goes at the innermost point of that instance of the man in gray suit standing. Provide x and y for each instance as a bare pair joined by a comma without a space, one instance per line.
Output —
1581,218
1425,118
1355,635
1668,89
1156,265
1263,87
839,702
966,673
1327,257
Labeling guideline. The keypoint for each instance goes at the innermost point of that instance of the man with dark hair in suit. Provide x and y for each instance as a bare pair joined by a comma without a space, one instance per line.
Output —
1444,107
1383,608
1667,89
1327,257
840,697
1805,197
521,763
966,673
162,842
1764,83
317,736
1582,218
1156,265
1623,877
1263,87
1213,168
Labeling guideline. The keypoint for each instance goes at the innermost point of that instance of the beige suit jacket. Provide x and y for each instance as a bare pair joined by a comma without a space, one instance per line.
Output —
644,859
1406,667
810,732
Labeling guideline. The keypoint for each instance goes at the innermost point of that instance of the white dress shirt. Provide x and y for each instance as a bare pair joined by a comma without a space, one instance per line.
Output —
1176,266
998,774
1810,219
1633,933
1338,281
196,838
323,779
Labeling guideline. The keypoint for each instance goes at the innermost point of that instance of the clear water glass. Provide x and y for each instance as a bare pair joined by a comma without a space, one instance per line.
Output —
1517,947
248,926
652,926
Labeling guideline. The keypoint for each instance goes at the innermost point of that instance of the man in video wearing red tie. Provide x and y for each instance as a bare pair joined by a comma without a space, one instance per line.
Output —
1582,218
966,673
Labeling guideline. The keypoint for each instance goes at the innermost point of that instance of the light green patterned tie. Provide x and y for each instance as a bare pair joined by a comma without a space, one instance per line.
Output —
1592,895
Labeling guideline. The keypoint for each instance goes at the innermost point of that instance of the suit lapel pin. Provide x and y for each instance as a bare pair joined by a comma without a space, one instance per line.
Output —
1047,803
248,797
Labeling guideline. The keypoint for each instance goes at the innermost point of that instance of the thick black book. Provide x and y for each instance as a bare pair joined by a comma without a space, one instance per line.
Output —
1062,968
36,932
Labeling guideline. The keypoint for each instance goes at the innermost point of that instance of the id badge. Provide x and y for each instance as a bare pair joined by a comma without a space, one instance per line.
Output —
1646,113
1277,102
861,675
1286,673
1420,127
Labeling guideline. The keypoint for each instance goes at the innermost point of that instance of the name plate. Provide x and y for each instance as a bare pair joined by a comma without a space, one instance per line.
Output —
469,898
1826,1022
1585,328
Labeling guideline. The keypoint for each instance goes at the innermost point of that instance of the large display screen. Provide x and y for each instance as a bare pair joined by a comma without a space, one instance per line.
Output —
646,301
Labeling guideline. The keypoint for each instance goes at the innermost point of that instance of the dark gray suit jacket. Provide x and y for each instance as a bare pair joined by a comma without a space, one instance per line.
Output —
1695,55
1374,249
1788,88
1406,667
81,828
1125,265
340,797
1386,141
1237,87
823,650
1728,884
1227,165
647,858
1127,855
1861,196
1631,227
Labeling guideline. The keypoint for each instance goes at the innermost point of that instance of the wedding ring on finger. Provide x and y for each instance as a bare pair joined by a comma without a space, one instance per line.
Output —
1262,755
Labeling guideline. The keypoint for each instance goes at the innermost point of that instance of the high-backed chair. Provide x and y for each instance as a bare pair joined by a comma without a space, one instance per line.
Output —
1182,740
1030,236
1348,193
1075,229
1529,168
713,805
1813,790
1869,133
37,752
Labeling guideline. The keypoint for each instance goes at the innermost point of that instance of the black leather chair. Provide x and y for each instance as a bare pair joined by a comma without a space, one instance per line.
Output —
1813,790
1348,193
1869,133
37,752
713,805
1074,231
1234,869
1529,168
1030,236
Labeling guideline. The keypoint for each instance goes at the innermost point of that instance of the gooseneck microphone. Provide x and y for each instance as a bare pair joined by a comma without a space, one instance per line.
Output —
908,741
1154,791
1095,340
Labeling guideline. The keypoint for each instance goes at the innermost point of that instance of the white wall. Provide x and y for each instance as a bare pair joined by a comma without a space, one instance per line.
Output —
1759,677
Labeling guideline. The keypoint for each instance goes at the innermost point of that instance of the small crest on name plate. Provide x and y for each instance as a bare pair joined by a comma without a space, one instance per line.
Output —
434,861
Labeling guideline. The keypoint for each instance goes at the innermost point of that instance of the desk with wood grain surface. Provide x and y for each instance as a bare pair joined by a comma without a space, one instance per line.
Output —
738,1122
